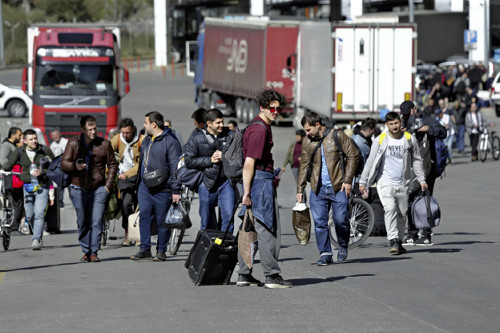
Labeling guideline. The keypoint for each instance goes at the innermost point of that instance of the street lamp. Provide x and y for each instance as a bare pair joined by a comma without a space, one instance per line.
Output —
12,30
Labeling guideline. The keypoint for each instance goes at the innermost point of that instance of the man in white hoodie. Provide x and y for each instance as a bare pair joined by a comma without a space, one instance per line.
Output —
127,148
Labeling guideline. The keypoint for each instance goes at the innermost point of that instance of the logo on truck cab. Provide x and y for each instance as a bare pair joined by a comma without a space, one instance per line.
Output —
238,54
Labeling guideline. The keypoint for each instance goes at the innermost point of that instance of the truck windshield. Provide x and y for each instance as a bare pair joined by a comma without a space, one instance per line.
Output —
75,78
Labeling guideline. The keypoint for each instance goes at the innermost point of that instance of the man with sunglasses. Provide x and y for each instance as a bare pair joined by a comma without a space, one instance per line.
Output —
330,189
259,192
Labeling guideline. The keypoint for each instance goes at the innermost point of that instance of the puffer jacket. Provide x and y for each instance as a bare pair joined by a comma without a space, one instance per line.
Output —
332,161
19,156
199,150
162,154
98,155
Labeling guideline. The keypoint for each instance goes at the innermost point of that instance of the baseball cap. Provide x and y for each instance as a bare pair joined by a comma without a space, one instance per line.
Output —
406,107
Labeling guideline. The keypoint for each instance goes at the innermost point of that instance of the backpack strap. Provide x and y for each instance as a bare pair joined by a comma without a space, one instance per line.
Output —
382,136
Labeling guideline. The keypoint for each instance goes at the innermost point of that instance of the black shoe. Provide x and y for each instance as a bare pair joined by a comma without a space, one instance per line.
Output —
276,282
247,280
160,256
409,241
424,241
142,254
325,260
394,245
401,249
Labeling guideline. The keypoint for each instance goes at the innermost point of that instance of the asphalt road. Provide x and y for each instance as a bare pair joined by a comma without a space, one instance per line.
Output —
452,286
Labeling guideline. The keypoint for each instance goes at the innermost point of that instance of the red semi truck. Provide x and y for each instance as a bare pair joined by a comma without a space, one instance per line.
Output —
74,70
240,58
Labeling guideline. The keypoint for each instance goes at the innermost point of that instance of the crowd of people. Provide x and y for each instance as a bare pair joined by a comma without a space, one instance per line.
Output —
141,167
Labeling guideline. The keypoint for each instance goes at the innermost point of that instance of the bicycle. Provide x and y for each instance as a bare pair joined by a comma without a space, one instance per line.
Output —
177,234
487,143
7,209
361,221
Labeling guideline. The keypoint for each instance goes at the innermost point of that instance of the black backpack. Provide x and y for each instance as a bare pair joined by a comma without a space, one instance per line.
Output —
54,173
343,157
232,155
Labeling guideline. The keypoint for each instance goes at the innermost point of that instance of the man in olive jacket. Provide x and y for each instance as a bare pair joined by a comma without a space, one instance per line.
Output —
329,187
85,159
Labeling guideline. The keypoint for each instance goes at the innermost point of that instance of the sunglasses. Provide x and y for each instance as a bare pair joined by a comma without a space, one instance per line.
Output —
278,109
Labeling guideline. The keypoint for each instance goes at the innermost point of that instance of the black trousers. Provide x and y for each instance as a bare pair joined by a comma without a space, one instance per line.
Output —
474,140
129,202
18,205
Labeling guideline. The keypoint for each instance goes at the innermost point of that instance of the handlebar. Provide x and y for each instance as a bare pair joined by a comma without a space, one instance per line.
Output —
7,173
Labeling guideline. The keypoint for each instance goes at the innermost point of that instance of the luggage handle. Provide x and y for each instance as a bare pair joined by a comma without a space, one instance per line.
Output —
427,194
220,241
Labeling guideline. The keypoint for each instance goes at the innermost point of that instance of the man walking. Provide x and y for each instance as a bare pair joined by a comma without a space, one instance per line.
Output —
58,146
204,152
160,150
34,160
260,192
427,130
390,163
127,145
330,189
91,163
9,146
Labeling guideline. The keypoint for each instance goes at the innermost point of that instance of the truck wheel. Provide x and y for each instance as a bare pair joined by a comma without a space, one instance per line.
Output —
239,109
246,111
254,110
213,100
16,108
497,110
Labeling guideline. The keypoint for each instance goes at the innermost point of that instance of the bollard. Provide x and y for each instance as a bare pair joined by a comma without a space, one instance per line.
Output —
182,69
138,64
131,63
173,67
164,70
151,64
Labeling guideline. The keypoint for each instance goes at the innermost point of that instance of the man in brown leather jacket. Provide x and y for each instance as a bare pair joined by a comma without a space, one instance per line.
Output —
329,189
86,158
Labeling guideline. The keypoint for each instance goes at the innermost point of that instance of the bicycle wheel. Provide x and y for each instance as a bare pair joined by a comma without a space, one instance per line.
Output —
361,221
483,149
495,148
176,236
6,238
105,234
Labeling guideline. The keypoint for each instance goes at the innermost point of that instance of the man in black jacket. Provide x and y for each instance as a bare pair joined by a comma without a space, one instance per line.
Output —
34,160
204,152
426,129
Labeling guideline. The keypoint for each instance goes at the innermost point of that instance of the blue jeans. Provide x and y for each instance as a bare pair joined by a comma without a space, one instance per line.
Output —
222,197
460,138
449,143
35,204
89,207
153,207
320,206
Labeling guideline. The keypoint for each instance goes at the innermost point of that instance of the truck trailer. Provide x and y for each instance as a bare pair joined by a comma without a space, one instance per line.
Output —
241,58
74,70
347,72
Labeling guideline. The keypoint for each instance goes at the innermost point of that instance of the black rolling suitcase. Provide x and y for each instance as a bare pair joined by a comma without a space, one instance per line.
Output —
212,258
53,215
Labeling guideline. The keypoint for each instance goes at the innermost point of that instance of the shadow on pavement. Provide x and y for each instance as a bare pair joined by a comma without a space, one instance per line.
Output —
378,259
436,250
38,267
310,281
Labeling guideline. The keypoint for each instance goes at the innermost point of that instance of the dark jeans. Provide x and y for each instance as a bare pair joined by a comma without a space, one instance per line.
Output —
412,229
89,207
222,197
460,138
474,140
153,207
18,206
129,202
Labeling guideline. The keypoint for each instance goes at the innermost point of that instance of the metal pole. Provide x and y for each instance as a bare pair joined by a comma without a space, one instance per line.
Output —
411,11
2,55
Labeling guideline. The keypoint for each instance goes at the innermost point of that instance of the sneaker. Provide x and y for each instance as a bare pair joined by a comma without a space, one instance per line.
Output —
160,256
276,282
126,240
409,241
424,241
45,233
394,245
85,258
36,244
325,260
342,254
247,280
142,254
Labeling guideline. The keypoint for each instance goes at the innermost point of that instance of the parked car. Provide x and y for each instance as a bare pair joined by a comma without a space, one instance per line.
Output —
14,100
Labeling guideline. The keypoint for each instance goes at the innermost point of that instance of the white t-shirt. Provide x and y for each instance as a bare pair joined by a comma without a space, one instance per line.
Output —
58,147
392,165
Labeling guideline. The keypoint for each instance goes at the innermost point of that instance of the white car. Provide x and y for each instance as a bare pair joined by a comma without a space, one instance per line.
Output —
14,100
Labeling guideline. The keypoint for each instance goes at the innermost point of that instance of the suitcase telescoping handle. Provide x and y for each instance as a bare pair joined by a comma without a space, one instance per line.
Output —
220,241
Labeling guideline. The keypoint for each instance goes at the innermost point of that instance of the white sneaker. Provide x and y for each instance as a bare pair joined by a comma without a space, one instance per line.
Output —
45,233
36,244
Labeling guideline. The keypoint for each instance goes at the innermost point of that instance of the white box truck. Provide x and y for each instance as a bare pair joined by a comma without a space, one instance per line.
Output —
348,72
